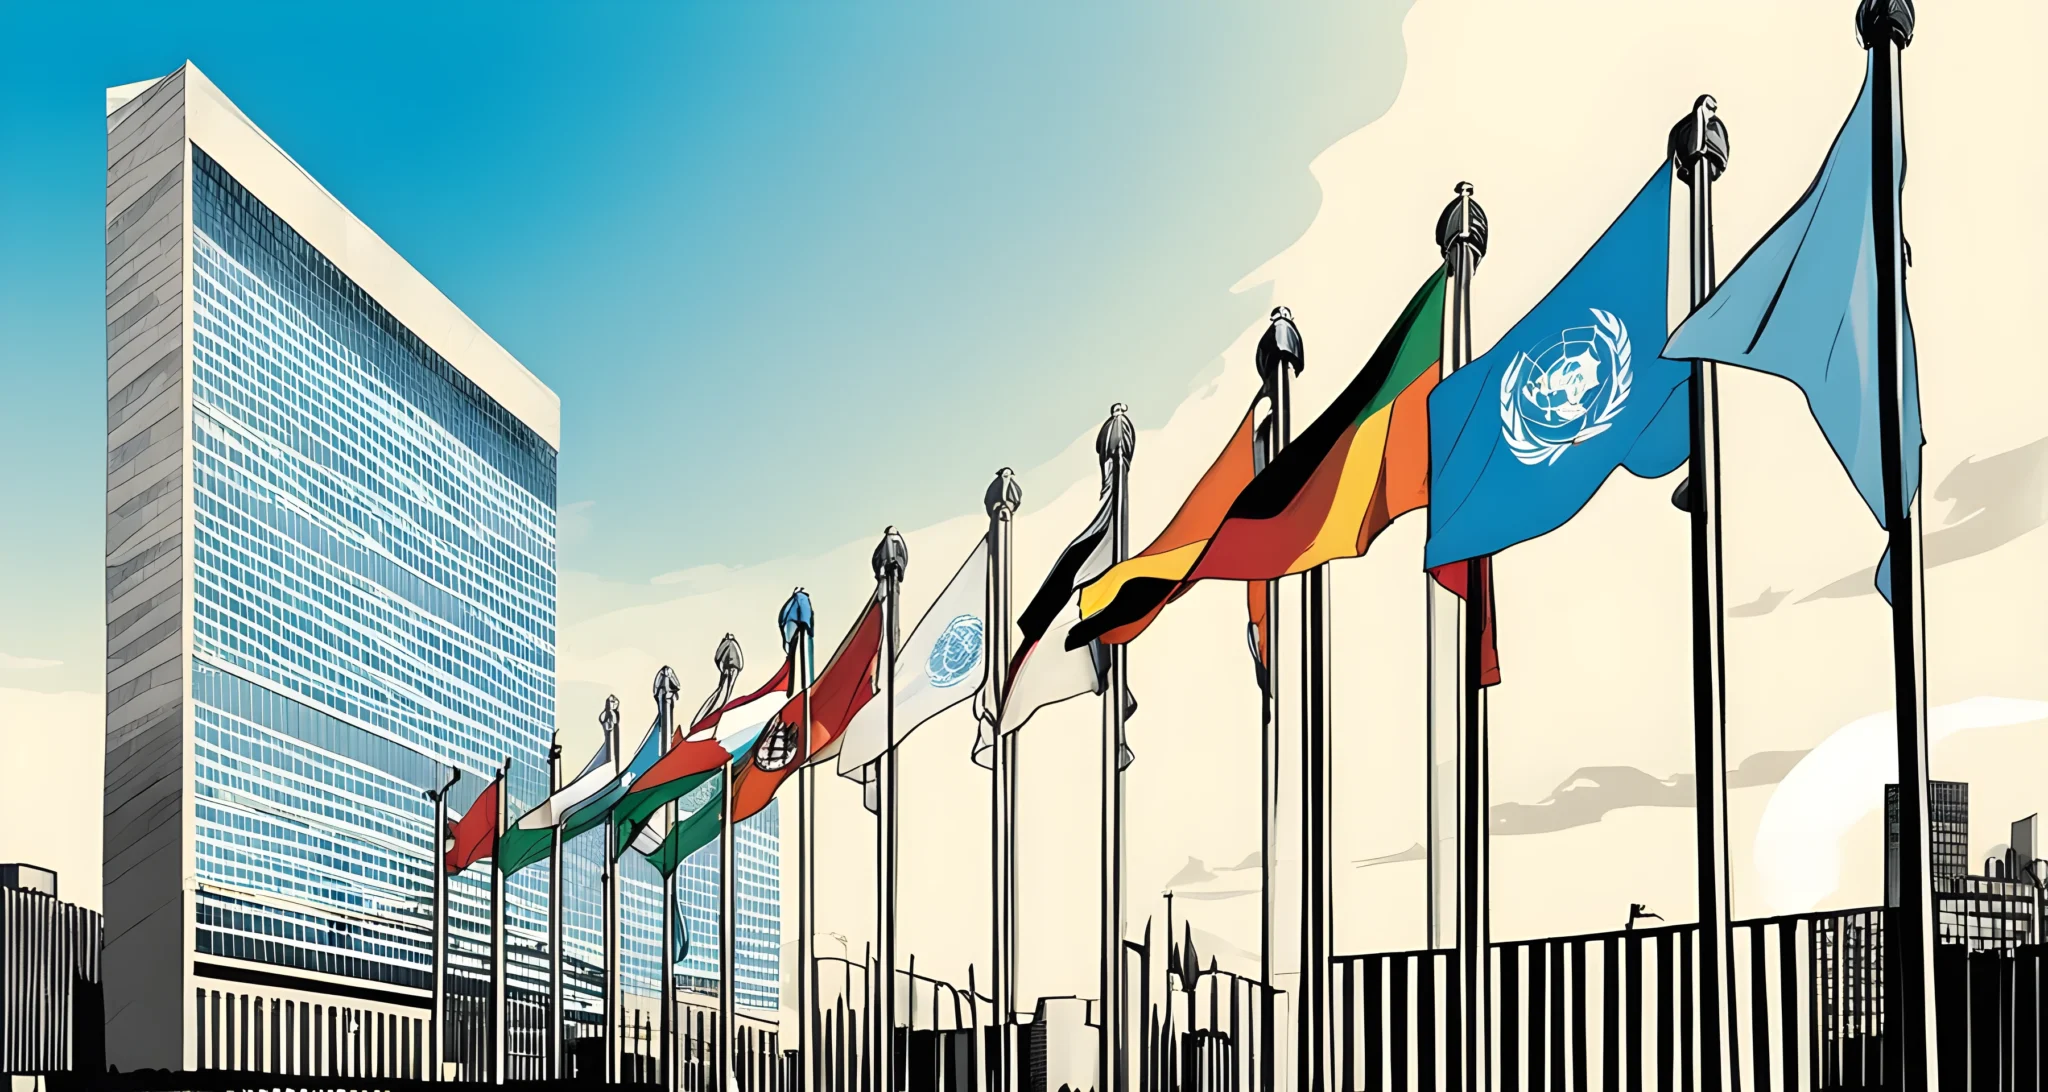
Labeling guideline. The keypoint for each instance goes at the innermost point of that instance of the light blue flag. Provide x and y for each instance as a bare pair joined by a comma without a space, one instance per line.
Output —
1803,305
1521,439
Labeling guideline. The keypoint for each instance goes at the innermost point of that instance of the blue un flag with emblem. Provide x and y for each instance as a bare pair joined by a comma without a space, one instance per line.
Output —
1521,438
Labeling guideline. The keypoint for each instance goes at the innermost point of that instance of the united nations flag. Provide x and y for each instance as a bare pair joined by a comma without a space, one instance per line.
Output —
1521,439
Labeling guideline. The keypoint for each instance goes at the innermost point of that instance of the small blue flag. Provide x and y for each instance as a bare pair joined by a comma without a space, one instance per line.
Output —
1803,305
1521,439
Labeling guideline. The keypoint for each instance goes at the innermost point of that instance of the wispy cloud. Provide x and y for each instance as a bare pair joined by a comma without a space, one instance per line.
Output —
1763,604
1592,791
25,663
1412,853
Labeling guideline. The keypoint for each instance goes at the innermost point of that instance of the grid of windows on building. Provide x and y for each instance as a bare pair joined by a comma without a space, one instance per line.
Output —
374,604
757,903
1989,914
1948,813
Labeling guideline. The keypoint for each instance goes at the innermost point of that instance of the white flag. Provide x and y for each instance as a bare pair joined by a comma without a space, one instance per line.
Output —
943,663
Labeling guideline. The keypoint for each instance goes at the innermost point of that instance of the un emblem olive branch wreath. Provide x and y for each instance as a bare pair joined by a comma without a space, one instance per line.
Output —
1532,449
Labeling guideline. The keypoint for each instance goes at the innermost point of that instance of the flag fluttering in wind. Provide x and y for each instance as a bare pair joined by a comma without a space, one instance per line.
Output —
943,663
1043,671
531,838
597,810
1118,603
1802,304
475,836
1328,494
848,683
696,753
699,818
1523,437
1363,462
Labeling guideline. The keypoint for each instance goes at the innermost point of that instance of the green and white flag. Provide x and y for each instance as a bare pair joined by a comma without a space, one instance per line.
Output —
533,836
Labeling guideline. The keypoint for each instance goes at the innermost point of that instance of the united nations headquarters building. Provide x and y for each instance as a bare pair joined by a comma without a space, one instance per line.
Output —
330,581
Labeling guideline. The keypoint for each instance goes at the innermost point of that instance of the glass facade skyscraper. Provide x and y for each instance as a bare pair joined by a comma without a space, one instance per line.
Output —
331,582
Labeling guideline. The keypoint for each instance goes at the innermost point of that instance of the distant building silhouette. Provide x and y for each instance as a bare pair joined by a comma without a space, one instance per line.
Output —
1948,807
1061,1045
50,1019
1999,910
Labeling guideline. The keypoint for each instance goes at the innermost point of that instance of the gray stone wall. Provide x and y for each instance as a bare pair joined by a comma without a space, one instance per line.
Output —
145,810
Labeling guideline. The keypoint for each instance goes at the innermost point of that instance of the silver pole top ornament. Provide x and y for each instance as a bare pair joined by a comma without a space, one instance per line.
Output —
1462,224
1004,495
1281,344
892,556
1881,20
609,718
728,658
1118,440
1700,137
666,686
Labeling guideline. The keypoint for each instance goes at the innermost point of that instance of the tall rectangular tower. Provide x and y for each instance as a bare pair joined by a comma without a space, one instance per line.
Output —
1948,824
331,583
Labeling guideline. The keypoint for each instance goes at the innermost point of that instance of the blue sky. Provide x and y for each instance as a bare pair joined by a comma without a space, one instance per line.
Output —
796,271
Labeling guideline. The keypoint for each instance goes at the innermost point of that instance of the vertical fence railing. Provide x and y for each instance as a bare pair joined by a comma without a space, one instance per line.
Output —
1614,1012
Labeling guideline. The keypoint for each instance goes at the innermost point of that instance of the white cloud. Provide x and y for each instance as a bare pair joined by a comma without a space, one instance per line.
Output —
25,663
1799,842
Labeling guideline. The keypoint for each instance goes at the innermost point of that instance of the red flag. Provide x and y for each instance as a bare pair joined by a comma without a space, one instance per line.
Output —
475,835
1452,578
846,684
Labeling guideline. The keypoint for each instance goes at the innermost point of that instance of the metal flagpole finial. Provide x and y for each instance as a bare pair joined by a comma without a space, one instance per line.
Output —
892,556
795,618
609,718
1462,224
1700,136
1877,20
666,685
728,658
1280,345
1004,495
1118,440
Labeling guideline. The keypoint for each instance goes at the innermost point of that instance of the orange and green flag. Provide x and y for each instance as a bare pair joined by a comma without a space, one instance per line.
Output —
1138,588
1362,464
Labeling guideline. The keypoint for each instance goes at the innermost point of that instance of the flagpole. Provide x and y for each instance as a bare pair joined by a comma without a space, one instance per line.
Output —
891,560
1114,446
499,1010
796,622
436,1039
1699,153
666,687
1001,501
1461,234
556,887
1278,348
723,1054
1913,1053
610,720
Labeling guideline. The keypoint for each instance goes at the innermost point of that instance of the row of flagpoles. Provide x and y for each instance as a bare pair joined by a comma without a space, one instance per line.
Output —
1498,448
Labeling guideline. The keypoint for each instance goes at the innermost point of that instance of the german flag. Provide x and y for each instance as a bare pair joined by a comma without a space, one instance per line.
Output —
1327,495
